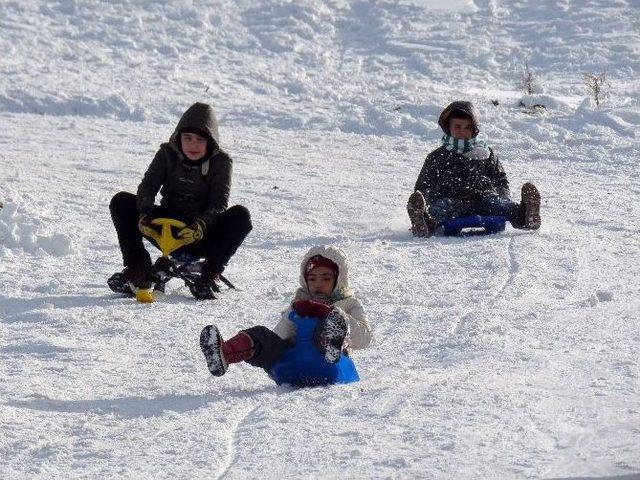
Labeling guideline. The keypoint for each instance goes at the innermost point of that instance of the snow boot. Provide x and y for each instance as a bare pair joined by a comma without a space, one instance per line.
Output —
129,280
219,354
203,289
119,284
238,348
530,204
211,346
333,332
422,224
206,286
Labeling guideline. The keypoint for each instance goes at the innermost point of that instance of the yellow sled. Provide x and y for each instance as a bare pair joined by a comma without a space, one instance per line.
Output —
167,243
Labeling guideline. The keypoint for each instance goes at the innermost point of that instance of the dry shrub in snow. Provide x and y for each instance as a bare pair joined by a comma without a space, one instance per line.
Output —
595,85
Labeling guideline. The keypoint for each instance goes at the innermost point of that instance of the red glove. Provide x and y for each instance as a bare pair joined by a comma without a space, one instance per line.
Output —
311,308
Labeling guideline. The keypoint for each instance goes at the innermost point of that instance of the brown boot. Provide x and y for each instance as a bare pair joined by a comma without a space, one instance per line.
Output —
530,204
422,224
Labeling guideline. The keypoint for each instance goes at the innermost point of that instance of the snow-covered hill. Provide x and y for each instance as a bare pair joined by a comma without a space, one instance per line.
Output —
509,356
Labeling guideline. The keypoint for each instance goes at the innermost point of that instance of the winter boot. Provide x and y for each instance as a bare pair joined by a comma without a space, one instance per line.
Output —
333,333
130,279
119,284
219,354
206,286
422,224
530,205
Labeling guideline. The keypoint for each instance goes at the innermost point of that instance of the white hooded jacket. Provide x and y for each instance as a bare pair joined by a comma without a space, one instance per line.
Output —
342,299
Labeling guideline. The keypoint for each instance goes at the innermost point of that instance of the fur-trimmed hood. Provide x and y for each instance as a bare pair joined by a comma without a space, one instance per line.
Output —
341,290
342,300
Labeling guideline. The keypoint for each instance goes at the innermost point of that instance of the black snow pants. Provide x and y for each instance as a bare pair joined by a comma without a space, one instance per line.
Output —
269,347
218,245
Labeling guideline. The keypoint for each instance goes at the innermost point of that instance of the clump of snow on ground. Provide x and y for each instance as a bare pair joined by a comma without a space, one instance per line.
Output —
20,229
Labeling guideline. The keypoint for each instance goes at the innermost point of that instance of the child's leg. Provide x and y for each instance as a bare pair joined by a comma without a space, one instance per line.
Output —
269,347
258,346
422,225
223,239
124,214
494,204
446,208
525,215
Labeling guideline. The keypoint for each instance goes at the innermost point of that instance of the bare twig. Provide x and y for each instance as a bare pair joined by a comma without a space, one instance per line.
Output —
528,80
595,84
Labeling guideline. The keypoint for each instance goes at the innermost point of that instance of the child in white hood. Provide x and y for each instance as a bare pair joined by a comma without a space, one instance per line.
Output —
324,294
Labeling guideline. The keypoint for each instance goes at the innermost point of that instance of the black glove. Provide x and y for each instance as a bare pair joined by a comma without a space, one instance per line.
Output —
145,226
193,232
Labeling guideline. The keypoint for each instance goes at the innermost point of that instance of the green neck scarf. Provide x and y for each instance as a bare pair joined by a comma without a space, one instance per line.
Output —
461,145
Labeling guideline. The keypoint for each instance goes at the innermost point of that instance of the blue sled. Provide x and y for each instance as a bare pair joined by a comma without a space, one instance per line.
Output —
478,224
304,365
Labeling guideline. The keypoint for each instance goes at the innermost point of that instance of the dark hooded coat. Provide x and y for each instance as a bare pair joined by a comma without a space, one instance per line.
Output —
189,189
447,174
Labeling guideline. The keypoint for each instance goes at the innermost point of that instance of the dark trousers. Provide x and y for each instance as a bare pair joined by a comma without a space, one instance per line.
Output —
268,346
446,208
220,241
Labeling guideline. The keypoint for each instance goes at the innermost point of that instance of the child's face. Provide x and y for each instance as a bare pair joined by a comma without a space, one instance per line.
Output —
461,128
320,281
193,146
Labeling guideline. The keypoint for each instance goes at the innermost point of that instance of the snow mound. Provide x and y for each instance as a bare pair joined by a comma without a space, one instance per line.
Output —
18,229
623,121
112,106
546,101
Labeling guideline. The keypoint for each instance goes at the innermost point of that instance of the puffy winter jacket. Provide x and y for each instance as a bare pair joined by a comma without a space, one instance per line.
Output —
190,189
447,174
360,335
453,175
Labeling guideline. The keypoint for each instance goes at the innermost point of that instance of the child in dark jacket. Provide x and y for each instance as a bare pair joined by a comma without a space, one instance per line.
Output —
194,179
324,294
464,177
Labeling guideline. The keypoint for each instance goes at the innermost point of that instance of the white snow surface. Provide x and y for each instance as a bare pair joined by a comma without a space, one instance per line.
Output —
505,356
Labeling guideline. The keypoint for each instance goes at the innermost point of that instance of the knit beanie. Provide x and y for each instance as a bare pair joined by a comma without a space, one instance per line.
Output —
320,261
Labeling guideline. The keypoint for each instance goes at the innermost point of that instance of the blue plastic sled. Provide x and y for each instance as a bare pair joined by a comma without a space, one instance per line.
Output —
304,365
473,225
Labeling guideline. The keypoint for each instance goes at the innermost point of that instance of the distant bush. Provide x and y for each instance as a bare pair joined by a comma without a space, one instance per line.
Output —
528,82
595,84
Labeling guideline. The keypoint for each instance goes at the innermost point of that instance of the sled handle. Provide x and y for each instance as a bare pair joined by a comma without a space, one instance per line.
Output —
165,239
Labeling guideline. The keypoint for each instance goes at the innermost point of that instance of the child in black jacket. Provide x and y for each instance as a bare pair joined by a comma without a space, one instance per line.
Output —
464,177
193,177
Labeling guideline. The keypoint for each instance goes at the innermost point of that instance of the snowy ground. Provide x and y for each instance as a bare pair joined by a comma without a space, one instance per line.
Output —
509,356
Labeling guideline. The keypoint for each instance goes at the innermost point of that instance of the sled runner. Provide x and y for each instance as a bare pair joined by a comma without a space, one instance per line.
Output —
472,225
304,365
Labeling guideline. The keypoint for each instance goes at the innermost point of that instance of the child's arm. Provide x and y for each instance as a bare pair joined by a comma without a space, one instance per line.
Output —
425,181
285,328
151,183
360,334
220,182
499,177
